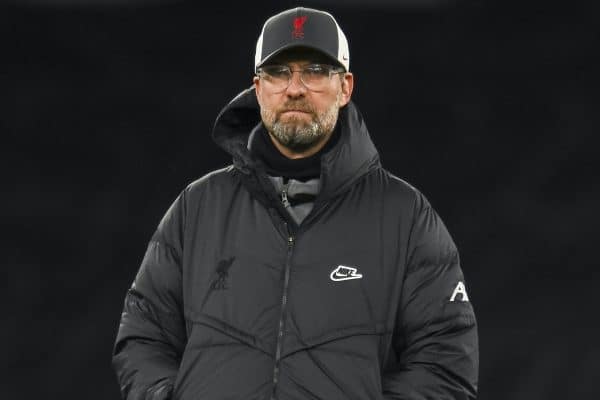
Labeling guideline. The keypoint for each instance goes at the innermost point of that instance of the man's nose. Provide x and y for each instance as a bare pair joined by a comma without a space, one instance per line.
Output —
296,87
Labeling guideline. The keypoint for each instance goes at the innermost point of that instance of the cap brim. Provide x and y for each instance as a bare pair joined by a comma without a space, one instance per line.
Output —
330,57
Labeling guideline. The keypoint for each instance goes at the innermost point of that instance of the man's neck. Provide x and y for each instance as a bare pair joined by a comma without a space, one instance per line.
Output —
276,163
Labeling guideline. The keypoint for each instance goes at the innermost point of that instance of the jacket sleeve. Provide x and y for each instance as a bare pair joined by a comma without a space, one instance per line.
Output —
435,343
152,335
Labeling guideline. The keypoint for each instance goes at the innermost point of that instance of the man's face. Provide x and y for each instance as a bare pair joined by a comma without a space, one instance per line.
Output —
298,117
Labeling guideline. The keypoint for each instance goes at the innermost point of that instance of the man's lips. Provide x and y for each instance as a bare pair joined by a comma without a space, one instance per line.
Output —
294,112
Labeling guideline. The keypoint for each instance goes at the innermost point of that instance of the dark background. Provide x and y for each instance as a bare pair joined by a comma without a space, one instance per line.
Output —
488,107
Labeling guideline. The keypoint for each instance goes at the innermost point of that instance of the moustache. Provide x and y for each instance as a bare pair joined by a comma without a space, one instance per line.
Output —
296,107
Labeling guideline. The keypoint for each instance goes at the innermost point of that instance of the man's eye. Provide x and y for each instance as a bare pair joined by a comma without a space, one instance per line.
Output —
277,72
316,70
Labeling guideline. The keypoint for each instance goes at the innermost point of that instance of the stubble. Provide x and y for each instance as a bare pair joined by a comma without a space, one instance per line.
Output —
298,134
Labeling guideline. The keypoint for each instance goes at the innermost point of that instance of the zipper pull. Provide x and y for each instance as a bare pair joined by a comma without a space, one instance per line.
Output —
284,198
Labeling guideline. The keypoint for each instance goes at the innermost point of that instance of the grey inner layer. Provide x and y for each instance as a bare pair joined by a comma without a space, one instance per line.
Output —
311,187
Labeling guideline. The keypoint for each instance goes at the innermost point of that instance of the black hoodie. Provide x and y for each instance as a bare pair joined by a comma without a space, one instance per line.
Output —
365,299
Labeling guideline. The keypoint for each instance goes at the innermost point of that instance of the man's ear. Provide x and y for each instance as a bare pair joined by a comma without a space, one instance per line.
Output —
257,87
256,83
347,87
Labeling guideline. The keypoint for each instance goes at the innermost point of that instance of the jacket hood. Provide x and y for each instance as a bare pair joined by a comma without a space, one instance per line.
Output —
353,155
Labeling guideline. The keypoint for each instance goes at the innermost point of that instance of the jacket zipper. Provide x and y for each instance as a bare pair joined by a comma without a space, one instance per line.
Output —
290,247
284,196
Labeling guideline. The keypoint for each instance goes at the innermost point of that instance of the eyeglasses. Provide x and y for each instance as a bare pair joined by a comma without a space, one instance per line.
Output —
314,76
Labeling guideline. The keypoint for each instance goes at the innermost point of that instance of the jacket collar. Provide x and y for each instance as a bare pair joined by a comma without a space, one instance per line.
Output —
353,155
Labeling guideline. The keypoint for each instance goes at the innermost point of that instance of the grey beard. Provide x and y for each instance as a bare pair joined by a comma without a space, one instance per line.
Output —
298,135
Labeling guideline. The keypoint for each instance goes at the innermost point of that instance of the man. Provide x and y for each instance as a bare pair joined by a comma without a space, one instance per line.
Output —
305,270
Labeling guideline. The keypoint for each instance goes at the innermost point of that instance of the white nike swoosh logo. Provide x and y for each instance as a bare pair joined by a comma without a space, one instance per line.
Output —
344,273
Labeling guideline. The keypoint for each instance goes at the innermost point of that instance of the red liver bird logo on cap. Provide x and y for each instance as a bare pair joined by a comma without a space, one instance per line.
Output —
298,32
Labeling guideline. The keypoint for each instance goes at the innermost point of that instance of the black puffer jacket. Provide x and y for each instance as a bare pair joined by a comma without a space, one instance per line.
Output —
363,301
